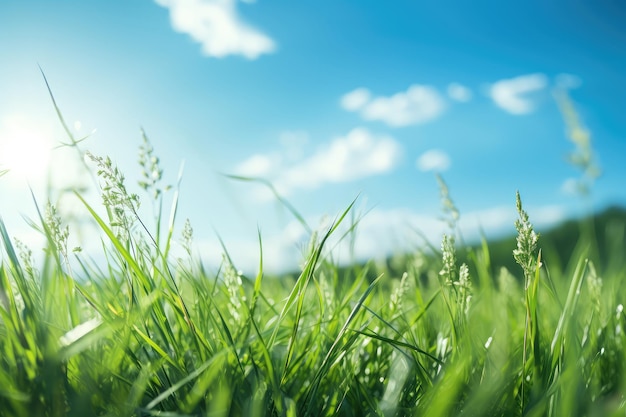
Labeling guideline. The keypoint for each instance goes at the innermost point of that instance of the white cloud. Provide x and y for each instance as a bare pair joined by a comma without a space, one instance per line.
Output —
418,104
256,166
433,160
293,145
382,232
357,155
509,94
217,26
356,99
459,92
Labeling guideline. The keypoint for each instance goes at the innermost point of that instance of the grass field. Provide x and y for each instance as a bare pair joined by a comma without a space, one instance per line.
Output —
152,334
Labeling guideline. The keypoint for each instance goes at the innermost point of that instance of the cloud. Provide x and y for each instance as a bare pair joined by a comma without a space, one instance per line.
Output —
256,166
459,92
418,104
382,232
356,99
356,155
508,94
217,26
433,160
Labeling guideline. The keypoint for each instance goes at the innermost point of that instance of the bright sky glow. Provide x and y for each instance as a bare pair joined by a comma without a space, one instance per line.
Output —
327,100
24,150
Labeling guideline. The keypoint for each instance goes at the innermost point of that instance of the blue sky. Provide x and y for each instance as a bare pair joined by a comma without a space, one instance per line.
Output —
328,100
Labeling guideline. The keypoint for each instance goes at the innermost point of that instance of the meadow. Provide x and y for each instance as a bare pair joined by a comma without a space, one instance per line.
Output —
154,334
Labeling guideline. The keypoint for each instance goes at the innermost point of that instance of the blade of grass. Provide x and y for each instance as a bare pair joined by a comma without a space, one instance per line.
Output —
334,350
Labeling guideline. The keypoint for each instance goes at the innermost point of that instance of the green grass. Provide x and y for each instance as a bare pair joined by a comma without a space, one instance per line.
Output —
151,334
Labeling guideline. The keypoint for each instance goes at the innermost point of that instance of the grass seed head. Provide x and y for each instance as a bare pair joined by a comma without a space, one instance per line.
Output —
527,240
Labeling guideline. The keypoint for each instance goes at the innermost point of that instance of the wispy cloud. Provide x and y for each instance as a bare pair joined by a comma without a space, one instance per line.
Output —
433,160
356,155
418,104
509,94
356,99
217,26
257,166
459,92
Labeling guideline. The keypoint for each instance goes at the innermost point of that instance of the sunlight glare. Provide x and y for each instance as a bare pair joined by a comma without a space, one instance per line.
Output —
25,152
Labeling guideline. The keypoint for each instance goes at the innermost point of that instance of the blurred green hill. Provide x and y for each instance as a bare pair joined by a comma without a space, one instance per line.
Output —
600,237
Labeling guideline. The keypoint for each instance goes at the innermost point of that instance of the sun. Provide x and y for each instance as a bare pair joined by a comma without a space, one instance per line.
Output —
25,152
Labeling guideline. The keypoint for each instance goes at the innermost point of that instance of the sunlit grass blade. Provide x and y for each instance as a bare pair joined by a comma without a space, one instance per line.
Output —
335,348
119,246
213,365
568,313
298,293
